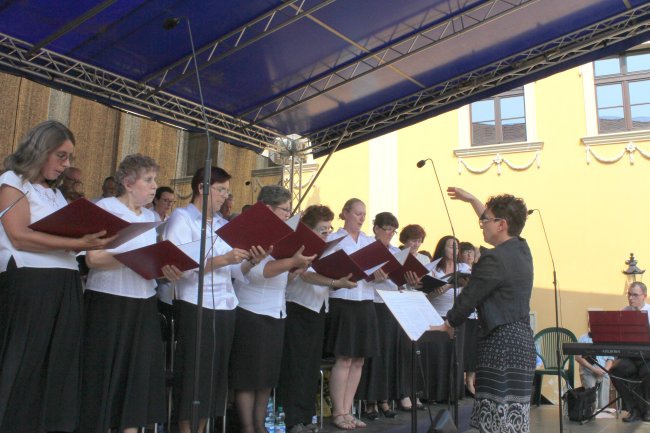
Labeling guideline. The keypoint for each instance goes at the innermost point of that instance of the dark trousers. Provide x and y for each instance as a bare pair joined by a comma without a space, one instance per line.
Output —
635,370
301,359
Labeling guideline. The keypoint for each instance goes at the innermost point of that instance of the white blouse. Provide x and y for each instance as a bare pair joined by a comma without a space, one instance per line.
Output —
184,226
311,296
122,281
443,303
42,202
364,290
261,295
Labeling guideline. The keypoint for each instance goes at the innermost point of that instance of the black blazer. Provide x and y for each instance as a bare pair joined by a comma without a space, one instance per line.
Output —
499,288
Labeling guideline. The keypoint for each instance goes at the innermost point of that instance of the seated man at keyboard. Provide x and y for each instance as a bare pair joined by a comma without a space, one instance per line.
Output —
625,371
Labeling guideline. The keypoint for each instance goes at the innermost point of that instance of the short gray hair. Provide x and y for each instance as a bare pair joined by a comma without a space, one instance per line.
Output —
273,195
36,147
640,285
131,168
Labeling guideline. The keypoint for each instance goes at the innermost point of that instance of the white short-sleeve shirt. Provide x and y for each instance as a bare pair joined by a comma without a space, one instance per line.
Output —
122,281
311,296
364,291
42,202
184,226
262,295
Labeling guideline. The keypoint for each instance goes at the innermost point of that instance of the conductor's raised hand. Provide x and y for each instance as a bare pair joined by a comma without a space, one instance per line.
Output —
94,241
300,261
456,193
172,273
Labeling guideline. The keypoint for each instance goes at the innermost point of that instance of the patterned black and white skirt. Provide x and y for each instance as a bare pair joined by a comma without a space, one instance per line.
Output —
504,378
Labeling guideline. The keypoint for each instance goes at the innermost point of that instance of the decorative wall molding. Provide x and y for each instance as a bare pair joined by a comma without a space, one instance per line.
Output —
498,160
629,149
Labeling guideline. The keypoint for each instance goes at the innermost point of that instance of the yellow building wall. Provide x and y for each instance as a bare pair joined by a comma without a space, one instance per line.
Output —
595,214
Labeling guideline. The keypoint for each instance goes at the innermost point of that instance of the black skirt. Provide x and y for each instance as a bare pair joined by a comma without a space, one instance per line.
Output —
353,329
217,332
301,360
379,379
256,352
471,344
40,349
123,381
504,379
436,359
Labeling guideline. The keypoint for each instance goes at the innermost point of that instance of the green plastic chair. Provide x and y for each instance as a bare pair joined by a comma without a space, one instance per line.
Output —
545,348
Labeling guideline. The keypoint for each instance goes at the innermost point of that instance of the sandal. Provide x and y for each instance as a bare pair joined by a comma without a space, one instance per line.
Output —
355,421
388,413
341,422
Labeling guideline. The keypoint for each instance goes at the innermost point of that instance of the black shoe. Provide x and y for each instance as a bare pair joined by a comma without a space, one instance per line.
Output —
646,416
388,413
372,415
633,416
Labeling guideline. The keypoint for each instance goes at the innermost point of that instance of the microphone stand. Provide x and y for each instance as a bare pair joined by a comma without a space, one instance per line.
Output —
558,356
453,385
169,24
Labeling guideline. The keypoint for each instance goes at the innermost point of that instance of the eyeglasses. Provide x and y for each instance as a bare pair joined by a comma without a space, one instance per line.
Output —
222,190
389,230
485,219
284,209
634,295
168,201
323,229
64,156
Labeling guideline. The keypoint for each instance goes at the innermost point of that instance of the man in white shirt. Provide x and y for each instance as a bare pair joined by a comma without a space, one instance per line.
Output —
625,370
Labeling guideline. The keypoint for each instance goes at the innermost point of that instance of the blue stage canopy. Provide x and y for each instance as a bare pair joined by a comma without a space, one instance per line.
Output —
334,72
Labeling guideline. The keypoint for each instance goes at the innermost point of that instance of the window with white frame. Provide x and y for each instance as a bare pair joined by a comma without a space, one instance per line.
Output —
500,119
622,87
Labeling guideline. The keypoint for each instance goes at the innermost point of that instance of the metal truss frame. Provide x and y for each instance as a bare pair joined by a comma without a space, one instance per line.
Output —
626,25
384,56
58,71
234,41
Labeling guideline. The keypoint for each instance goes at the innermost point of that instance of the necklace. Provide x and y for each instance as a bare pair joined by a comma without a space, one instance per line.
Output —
47,194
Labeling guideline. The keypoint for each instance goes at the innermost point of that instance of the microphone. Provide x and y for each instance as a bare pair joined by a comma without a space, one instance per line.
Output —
421,162
169,24
557,318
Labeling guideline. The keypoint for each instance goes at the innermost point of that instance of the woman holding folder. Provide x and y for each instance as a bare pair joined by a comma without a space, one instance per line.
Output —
40,289
259,325
123,383
437,351
219,302
352,335
379,381
307,303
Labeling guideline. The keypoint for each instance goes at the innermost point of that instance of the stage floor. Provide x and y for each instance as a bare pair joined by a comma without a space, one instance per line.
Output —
544,419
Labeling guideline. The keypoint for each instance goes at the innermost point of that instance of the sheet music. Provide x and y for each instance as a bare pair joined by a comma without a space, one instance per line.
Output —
412,310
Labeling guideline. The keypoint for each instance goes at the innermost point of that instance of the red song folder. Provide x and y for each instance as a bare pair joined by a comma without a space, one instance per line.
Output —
302,236
258,225
407,262
148,261
361,263
82,217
